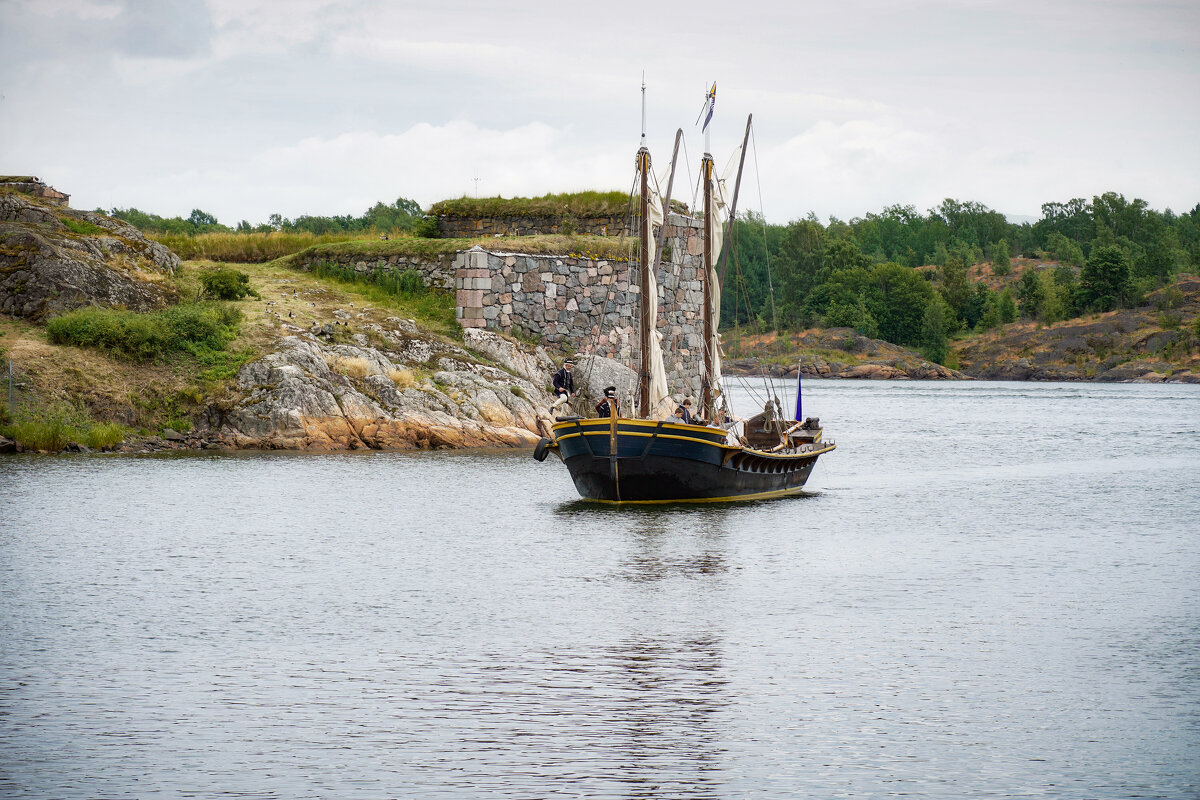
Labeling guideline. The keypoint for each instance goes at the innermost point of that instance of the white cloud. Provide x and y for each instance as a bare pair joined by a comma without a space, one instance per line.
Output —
248,107
348,173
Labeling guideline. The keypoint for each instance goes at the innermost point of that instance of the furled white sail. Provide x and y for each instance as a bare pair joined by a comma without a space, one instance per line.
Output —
720,203
660,401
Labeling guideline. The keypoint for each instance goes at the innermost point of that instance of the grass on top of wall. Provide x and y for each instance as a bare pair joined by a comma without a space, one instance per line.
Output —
249,248
557,245
579,204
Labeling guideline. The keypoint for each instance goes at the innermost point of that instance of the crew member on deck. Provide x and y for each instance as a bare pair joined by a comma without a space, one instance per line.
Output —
684,412
610,405
564,385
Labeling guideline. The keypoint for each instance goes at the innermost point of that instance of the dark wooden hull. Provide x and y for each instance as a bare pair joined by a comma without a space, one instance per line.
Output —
664,462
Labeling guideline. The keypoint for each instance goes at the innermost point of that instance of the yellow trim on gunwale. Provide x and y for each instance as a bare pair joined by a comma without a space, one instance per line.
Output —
732,499
721,445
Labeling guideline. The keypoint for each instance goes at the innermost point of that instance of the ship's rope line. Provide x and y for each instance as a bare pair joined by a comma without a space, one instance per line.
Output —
687,162
767,251
762,216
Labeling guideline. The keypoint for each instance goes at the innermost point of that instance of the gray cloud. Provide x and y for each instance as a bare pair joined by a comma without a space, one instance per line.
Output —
858,105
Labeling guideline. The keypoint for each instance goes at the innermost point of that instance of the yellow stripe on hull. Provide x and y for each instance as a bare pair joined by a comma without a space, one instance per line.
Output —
734,499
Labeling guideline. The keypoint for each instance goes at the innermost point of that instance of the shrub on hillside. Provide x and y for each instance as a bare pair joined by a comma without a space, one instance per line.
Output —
225,283
192,327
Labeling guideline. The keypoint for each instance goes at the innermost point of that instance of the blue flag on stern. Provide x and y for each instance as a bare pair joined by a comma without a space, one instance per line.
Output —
798,403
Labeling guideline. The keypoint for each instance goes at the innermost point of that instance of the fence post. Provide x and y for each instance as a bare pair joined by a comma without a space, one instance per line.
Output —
11,409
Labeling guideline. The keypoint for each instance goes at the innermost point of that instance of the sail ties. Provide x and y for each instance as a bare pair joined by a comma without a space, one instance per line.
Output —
659,402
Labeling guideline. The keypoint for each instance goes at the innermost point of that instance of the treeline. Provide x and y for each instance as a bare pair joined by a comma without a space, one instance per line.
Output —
403,216
861,273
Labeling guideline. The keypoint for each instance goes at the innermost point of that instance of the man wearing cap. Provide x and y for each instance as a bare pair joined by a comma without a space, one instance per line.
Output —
564,385
603,408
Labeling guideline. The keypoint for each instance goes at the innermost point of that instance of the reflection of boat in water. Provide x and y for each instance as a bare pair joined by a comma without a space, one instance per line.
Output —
648,459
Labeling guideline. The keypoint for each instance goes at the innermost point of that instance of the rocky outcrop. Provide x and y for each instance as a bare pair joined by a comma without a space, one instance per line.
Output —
55,259
864,358
1158,342
409,393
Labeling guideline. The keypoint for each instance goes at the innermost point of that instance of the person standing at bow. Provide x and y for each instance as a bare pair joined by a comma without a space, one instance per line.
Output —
610,405
564,385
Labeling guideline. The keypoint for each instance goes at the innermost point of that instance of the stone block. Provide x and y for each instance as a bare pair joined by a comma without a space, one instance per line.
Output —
470,298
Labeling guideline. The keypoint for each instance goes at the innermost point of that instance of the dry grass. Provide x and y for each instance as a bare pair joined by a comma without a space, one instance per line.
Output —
249,247
350,367
403,378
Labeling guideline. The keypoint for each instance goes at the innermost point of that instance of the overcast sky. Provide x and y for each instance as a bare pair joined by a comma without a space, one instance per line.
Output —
249,107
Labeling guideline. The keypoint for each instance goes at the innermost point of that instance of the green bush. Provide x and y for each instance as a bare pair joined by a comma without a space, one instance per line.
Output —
108,434
54,430
224,283
81,226
192,327
426,229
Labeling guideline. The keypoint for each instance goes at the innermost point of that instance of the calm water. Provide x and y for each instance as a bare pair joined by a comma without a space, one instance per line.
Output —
993,591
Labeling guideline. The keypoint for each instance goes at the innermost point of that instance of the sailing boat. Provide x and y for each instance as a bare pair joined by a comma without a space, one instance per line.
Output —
648,459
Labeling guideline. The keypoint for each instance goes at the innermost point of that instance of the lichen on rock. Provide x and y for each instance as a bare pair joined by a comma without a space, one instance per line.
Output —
47,267
294,398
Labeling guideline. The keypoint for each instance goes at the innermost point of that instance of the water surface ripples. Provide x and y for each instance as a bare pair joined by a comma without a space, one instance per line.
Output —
991,591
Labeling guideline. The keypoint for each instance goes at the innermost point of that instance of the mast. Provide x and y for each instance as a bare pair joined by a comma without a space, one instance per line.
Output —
643,156
737,185
706,173
662,230
643,164
706,388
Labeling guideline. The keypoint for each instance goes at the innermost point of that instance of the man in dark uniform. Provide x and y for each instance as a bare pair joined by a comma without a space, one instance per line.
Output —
610,404
684,412
564,385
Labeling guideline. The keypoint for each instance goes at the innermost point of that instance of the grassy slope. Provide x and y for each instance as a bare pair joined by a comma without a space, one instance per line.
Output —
148,396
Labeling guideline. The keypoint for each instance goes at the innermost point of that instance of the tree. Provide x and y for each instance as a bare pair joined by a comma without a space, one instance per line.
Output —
800,265
1158,260
1104,282
991,314
1063,250
897,298
976,304
1001,259
1056,298
1031,294
956,289
201,219
933,330
856,316
1006,306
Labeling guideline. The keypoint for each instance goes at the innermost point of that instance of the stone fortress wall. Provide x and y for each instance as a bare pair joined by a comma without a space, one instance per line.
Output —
579,304
574,303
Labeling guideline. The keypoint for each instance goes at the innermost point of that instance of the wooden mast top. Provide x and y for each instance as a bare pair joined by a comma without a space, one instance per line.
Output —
645,300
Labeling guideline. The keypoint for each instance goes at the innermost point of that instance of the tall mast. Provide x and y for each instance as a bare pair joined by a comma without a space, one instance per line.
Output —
643,163
706,173
733,205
